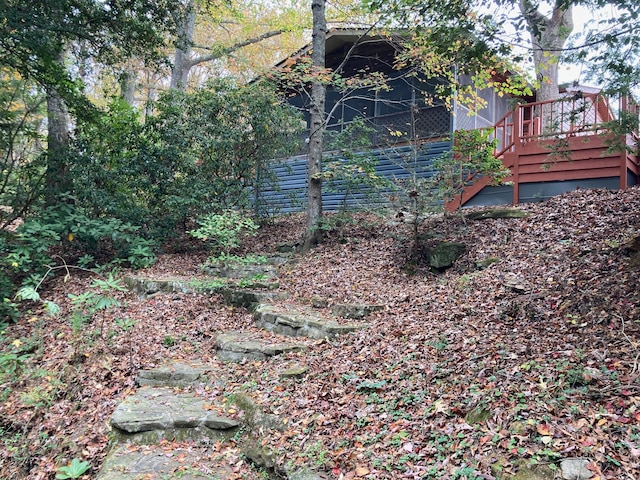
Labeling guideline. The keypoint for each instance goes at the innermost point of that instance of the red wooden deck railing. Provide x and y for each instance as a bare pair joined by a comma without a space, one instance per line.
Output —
531,129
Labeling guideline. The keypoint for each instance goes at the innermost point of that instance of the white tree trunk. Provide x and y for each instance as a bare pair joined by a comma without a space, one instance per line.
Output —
548,37
182,60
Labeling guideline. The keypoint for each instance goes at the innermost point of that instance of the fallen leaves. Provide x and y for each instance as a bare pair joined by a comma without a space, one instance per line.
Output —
553,365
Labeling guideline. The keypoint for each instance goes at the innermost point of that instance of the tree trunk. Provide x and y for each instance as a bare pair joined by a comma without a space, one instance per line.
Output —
57,180
182,60
127,82
316,131
548,37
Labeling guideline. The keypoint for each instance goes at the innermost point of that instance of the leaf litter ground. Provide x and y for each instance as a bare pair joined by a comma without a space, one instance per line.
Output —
461,375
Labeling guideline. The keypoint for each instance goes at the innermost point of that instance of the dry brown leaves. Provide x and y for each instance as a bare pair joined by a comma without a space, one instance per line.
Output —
459,376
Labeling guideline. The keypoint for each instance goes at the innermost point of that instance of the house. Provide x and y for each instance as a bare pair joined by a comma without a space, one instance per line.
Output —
410,130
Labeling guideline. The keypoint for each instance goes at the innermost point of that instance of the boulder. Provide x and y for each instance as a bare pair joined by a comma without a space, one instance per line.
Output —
444,254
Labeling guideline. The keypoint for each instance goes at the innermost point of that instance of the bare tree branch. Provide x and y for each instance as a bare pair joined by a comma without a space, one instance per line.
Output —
232,48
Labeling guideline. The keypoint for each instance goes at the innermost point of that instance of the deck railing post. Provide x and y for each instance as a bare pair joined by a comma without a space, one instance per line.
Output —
517,147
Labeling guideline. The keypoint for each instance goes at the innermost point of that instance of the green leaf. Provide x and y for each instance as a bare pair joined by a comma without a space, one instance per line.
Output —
74,470
53,308
28,293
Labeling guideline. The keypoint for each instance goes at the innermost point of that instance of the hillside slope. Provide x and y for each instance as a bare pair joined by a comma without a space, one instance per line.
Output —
463,374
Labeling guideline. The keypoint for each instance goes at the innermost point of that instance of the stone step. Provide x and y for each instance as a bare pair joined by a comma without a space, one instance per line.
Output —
247,272
355,310
156,413
177,374
126,462
236,346
242,297
300,322
146,287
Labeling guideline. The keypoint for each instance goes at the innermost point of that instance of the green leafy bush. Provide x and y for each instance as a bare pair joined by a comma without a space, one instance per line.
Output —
200,152
59,236
224,231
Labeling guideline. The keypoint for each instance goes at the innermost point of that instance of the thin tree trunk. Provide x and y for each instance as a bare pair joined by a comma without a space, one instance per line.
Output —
316,136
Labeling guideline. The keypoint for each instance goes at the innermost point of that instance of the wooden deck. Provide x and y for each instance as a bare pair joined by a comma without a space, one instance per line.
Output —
565,140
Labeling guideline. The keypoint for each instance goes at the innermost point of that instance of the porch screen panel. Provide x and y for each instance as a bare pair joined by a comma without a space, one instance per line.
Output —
359,104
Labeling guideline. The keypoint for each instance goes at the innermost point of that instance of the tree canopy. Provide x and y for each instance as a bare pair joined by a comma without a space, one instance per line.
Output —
35,33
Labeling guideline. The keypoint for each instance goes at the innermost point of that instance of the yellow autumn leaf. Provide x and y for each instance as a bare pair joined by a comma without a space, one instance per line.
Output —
70,237
362,471
16,343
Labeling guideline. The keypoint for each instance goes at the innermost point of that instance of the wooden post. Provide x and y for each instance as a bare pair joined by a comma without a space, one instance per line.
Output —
517,146
623,163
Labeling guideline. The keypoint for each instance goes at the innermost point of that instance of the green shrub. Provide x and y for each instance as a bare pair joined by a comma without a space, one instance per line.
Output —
64,234
224,231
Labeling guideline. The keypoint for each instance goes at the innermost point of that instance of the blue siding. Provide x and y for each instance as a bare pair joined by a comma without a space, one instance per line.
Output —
539,192
286,189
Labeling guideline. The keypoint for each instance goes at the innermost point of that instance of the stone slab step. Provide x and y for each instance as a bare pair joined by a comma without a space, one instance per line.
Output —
154,413
300,322
236,346
176,374
264,272
126,462
241,297
355,310
146,287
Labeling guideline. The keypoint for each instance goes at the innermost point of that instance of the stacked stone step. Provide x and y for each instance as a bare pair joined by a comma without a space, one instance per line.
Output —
159,411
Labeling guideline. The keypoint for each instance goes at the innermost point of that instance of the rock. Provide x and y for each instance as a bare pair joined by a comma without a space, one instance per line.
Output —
531,472
486,262
123,463
176,374
515,282
318,302
145,287
287,247
444,254
295,371
299,322
260,456
575,469
240,297
305,475
497,213
590,375
237,346
350,310
162,410
477,415
246,272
